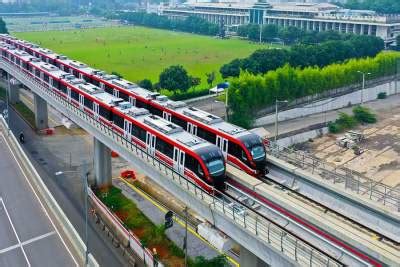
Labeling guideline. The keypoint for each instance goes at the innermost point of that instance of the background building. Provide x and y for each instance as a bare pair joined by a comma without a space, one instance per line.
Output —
307,16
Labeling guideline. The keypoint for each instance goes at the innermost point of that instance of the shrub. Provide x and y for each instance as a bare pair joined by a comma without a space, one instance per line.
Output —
346,121
382,95
364,115
334,127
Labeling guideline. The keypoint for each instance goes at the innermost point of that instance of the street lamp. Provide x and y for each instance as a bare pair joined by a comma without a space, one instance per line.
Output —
85,177
276,117
363,84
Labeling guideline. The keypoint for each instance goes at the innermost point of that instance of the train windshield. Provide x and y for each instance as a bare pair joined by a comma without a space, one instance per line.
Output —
215,167
214,160
254,144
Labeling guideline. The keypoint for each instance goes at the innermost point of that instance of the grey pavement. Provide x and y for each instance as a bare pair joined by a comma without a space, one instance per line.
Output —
27,235
67,189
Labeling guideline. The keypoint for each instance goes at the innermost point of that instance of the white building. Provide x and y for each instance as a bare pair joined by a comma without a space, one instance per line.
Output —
307,16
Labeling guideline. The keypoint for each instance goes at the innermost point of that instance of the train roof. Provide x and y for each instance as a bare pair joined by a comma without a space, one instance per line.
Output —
166,127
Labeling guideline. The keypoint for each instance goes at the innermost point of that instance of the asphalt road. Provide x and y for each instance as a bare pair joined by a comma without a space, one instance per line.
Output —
68,191
27,234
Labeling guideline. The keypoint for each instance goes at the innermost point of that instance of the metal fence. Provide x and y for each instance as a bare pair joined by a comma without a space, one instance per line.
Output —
304,253
346,178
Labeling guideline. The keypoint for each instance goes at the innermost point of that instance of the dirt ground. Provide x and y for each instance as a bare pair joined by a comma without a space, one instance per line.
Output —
380,160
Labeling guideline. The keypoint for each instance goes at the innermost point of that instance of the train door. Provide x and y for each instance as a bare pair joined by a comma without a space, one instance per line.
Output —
151,143
166,116
81,101
68,94
62,67
71,71
191,128
80,76
51,82
41,76
102,86
115,92
132,100
127,129
222,143
96,110
179,160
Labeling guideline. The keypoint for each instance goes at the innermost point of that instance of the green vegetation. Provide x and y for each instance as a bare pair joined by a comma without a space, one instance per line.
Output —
3,26
175,78
302,55
345,122
381,95
25,112
140,53
190,24
381,6
151,236
249,92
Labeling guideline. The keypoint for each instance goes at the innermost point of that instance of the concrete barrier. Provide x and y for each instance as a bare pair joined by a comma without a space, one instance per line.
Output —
48,198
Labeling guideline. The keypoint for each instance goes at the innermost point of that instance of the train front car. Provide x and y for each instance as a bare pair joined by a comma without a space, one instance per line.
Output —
216,166
256,156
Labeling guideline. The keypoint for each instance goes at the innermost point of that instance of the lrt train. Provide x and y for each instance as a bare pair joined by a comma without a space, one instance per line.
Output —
198,160
240,147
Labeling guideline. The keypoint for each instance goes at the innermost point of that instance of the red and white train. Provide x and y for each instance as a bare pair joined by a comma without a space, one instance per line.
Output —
193,157
240,147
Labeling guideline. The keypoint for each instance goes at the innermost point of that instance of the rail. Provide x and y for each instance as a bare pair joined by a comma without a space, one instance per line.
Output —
268,232
350,180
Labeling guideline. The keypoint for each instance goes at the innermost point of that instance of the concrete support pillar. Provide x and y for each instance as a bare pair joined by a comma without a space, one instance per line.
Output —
40,110
13,90
248,259
102,164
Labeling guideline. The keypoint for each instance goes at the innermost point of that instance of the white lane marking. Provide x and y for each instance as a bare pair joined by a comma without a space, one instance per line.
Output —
15,232
41,204
29,241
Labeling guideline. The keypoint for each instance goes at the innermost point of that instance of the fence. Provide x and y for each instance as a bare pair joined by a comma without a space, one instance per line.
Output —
350,180
293,247
142,252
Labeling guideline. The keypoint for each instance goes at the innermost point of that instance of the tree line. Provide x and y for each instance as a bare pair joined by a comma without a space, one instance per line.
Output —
250,93
190,24
303,55
380,6
289,35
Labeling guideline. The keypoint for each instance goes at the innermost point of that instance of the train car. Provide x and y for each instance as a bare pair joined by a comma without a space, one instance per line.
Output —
191,156
241,148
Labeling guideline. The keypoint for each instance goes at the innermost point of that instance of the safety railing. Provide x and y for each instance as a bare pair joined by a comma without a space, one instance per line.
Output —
304,253
349,180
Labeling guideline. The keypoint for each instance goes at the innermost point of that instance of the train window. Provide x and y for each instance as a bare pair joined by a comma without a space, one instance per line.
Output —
244,157
119,121
206,135
56,84
108,89
164,147
105,113
17,60
200,170
179,122
37,73
63,88
123,96
46,77
142,134
234,149
94,81
74,95
88,103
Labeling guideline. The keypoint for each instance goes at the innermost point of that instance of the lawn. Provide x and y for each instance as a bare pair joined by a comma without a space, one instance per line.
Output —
139,52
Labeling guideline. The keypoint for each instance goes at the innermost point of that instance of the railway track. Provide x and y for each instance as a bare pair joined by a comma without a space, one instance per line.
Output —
249,191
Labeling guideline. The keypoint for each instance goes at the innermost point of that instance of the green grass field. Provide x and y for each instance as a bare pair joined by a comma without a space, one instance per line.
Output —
138,52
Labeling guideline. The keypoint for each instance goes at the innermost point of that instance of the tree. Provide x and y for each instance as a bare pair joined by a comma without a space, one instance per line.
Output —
231,69
194,81
269,32
3,27
219,261
398,42
364,115
175,78
119,75
146,84
210,78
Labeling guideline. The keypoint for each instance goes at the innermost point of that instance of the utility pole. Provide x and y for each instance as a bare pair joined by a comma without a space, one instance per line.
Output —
363,85
186,232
